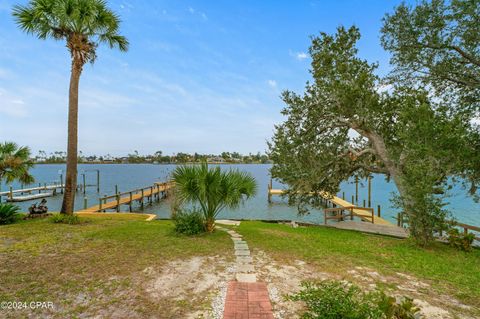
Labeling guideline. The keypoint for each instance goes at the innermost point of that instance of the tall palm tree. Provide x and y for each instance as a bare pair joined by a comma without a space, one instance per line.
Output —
212,189
83,25
15,163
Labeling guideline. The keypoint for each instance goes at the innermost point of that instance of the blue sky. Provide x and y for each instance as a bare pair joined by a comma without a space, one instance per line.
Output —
200,76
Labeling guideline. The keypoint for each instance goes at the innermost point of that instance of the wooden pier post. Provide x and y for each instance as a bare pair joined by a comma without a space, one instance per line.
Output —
141,199
118,202
356,190
269,191
39,186
84,184
369,191
98,181
85,203
151,195
11,193
130,202
378,211
116,189
353,200
364,203
100,204
343,195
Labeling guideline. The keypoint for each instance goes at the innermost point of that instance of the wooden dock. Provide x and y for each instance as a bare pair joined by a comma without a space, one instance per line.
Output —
151,193
32,192
342,209
24,198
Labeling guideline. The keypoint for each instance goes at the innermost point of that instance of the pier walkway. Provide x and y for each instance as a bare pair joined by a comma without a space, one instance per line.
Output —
157,191
340,206
26,194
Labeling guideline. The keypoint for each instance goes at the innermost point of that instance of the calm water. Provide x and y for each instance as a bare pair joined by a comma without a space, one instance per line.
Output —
129,176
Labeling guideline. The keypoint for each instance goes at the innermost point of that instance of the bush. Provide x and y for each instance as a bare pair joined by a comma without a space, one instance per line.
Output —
9,214
341,300
189,222
65,219
460,241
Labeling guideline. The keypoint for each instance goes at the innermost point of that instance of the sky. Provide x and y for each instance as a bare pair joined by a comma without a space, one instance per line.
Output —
200,76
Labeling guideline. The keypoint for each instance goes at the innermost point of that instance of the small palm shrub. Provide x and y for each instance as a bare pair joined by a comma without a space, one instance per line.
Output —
341,300
65,219
189,222
460,241
212,189
9,214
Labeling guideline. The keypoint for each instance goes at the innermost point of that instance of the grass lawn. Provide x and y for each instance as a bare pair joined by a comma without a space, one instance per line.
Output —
337,251
97,266
120,266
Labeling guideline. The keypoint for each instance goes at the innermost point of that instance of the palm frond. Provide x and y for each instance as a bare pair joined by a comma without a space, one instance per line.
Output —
212,188
15,163
90,21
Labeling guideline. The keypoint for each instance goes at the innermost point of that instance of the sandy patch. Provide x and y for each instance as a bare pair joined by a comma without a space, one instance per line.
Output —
200,281
285,278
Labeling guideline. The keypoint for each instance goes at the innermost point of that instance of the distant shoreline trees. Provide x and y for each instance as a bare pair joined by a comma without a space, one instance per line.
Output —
158,157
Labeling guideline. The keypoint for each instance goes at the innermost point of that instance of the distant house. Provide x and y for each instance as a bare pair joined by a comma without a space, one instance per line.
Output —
216,159
124,160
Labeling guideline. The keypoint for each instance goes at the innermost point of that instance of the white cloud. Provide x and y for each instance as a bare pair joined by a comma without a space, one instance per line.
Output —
11,105
204,16
384,88
301,56
272,83
191,10
298,55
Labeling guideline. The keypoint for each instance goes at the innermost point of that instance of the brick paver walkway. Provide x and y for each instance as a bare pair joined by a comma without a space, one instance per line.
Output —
247,300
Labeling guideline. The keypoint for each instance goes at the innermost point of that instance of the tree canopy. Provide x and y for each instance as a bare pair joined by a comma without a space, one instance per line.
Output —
438,43
345,124
82,23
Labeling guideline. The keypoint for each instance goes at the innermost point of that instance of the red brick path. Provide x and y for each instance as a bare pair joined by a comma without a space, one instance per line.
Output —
247,301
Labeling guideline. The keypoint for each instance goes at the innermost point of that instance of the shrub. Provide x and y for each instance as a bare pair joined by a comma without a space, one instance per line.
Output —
65,219
9,214
341,300
189,222
460,241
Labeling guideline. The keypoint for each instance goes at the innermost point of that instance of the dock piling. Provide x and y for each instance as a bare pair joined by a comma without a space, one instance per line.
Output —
356,190
370,191
130,202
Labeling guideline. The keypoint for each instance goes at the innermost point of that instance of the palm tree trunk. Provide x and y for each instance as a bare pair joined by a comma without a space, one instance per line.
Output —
71,174
210,225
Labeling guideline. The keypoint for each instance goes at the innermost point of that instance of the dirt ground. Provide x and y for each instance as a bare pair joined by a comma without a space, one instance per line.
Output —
285,278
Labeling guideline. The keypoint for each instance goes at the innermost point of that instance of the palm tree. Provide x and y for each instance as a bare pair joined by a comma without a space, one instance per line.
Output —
15,163
212,189
82,24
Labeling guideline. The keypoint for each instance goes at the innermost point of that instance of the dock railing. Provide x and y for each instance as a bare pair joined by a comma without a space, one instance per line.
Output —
402,221
149,192
350,213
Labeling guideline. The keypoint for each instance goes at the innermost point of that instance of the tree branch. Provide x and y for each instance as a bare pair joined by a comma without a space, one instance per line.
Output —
362,152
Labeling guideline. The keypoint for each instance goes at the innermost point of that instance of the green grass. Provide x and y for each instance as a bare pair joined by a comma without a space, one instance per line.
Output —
105,257
337,251
102,257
